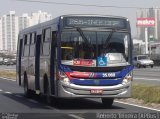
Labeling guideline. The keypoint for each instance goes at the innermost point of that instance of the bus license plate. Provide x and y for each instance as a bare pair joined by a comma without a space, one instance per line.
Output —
96,91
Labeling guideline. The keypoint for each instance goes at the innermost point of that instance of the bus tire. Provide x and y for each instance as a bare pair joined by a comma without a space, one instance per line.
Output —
47,91
107,102
27,92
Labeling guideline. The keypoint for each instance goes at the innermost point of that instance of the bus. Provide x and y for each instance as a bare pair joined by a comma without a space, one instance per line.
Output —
76,56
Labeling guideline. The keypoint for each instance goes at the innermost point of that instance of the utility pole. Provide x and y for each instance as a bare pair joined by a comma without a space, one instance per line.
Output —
146,40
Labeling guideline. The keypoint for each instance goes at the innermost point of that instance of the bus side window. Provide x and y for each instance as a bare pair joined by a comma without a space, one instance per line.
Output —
32,44
46,41
54,38
26,45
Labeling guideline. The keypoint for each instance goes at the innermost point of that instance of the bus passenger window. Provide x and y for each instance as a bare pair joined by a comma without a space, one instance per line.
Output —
47,35
26,45
46,41
54,38
32,44
28,39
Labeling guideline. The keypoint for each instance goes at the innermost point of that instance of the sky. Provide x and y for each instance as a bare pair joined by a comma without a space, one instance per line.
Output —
57,10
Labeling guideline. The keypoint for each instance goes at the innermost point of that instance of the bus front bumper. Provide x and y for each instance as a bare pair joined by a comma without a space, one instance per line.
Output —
73,91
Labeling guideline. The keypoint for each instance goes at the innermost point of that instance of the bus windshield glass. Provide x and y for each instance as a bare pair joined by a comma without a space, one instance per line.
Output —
95,48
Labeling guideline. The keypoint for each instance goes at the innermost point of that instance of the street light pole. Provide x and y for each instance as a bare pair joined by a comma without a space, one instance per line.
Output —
146,40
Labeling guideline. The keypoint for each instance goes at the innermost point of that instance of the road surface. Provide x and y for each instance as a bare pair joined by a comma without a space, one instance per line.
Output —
15,104
150,76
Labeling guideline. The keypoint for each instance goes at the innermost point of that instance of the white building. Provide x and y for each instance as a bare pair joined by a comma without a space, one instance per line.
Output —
9,31
39,17
24,21
10,25
138,47
1,35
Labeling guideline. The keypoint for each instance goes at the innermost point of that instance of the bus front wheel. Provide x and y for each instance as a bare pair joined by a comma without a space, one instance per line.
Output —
107,102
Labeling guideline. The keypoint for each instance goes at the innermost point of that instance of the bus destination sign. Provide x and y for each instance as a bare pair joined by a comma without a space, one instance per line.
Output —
94,22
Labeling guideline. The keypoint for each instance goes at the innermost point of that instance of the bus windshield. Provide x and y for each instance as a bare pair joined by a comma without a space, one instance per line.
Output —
95,48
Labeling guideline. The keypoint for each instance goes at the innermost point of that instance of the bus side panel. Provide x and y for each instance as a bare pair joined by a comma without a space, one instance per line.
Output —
30,72
24,65
45,59
44,71
44,67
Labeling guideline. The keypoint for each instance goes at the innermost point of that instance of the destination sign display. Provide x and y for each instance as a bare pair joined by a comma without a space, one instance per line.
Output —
83,21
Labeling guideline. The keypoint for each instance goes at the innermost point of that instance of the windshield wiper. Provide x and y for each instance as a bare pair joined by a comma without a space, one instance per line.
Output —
107,41
83,36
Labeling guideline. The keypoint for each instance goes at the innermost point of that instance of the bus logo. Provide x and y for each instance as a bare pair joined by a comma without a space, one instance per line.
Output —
91,75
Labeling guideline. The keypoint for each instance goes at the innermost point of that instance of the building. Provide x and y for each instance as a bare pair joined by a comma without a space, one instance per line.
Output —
1,35
24,21
39,17
153,32
9,31
10,25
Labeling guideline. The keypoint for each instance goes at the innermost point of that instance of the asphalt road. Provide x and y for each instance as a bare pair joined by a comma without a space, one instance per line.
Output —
14,104
150,76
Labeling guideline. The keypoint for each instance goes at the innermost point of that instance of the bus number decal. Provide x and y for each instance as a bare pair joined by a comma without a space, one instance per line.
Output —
108,75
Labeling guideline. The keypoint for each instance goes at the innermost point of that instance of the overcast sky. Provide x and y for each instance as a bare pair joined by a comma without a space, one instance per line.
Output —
56,10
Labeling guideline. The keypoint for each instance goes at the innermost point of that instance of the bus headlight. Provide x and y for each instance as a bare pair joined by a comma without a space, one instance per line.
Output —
64,78
127,78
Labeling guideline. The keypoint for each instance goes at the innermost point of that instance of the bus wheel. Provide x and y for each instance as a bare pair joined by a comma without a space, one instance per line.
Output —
27,92
107,102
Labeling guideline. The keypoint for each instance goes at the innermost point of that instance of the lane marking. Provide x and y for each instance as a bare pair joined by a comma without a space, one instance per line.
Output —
138,106
7,79
156,69
75,116
7,92
1,90
140,78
